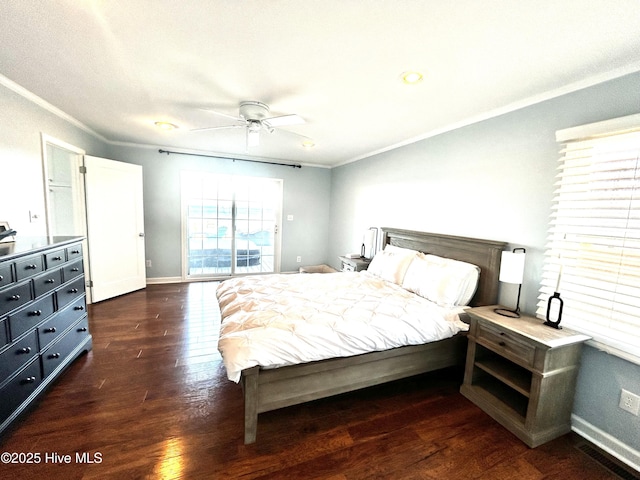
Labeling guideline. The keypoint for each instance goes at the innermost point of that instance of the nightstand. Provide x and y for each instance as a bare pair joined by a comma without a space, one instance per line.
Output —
522,373
354,264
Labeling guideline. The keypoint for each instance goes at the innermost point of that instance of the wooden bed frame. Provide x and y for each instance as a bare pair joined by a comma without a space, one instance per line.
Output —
270,389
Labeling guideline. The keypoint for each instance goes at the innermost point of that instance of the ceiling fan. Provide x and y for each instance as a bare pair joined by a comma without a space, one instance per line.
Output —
254,117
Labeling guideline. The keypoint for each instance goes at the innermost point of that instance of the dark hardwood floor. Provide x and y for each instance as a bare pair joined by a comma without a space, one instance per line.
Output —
152,401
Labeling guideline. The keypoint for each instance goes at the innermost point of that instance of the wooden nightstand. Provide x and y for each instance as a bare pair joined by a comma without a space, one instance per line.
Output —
522,373
354,264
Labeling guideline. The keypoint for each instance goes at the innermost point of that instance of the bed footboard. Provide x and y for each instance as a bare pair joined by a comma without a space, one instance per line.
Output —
270,389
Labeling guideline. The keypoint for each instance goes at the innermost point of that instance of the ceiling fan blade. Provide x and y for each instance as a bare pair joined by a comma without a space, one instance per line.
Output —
233,117
216,128
284,120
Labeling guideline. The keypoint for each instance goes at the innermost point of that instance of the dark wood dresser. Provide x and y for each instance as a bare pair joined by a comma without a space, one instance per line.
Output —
43,317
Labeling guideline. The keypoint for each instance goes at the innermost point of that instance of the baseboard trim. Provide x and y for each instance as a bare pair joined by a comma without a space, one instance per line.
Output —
606,442
161,280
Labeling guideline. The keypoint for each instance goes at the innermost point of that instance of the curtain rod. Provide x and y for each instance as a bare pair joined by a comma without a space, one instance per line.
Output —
234,159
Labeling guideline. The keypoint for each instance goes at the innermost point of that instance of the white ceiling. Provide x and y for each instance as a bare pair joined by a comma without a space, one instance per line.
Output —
117,66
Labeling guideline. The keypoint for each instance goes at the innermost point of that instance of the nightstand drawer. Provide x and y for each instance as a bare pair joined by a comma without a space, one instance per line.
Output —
506,342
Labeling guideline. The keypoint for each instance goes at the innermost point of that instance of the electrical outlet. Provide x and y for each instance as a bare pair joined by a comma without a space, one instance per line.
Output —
630,402
298,259
149,265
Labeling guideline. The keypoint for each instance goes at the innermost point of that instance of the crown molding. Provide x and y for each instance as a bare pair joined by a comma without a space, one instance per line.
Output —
33,98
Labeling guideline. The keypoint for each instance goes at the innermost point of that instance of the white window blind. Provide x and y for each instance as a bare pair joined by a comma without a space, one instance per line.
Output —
593,253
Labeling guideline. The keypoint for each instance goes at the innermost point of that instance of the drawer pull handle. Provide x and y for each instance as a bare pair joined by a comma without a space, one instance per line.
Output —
82,329
50,330
31,267
15,297
57,258
50,280
79,307
75,252
36,313
73,290
24,350
75,269
1,278
54,355
29,380
502,344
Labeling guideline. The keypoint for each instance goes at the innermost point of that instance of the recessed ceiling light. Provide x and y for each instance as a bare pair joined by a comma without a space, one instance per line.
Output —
411,78
166,125
308,144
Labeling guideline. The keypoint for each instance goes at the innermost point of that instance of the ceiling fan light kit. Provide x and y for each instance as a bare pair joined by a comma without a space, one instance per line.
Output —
254,117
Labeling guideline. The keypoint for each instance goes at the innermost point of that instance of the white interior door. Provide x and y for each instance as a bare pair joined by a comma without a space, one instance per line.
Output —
115,227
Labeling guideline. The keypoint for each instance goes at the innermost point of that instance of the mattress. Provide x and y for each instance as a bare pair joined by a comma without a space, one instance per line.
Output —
286,319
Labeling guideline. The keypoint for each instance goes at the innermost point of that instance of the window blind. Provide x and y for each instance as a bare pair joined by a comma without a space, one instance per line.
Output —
593,253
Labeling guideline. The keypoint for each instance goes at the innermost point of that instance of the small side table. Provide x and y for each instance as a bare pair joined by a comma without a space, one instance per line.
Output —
522,373
354,264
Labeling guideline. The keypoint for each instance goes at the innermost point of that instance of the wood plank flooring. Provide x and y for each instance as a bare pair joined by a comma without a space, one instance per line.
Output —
152,401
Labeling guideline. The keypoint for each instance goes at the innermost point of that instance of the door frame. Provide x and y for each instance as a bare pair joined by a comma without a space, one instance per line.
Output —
79,203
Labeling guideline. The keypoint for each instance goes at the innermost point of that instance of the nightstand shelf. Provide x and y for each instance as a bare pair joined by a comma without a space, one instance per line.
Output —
522,373
508,373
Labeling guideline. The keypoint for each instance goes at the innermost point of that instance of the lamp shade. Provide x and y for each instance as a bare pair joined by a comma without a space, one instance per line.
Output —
512,267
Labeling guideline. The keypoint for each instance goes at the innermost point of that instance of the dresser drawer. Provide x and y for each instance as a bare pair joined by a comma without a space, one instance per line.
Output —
5,274
19,388
27,318
74,251
72,270
56,326
17,355
506,342
70,291
29,266
14,297
55,258
4,333
50,280
58,351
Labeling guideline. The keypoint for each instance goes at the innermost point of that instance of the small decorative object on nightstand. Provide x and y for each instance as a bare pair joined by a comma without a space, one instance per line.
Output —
522,374
555,305
353,264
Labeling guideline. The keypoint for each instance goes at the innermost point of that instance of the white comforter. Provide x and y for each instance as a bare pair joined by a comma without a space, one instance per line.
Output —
285,319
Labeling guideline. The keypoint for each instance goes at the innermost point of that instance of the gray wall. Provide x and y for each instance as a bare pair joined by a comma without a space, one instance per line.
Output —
306,193
494,180
21,124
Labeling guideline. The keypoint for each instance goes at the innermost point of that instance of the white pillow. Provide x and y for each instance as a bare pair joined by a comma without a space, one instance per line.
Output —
444,281
391,264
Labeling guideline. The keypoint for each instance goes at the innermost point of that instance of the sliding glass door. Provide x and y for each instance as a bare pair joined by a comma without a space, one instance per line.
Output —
230,225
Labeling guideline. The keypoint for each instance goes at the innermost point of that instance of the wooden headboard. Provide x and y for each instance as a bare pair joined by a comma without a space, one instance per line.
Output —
486,254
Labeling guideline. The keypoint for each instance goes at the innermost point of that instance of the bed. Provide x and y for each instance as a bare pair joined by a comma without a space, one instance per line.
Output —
270,383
